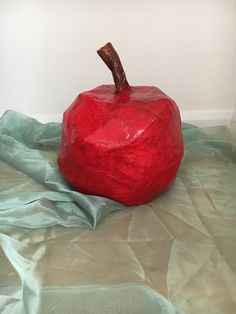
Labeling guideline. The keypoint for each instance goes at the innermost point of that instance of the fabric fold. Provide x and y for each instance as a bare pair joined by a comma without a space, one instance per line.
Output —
20,137
173,255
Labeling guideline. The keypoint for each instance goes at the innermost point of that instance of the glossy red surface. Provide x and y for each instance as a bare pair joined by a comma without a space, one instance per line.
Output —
126,146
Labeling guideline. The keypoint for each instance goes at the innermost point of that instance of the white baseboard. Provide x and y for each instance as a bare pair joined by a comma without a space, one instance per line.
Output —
207,117
44,118
198,117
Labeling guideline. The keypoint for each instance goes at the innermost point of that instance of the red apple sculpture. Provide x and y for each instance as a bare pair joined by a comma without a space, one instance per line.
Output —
119,141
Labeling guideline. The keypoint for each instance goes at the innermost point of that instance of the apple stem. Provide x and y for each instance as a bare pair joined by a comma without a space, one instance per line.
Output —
112,60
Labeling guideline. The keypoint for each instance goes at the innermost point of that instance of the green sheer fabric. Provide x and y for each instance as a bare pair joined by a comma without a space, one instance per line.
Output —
175,254
30,147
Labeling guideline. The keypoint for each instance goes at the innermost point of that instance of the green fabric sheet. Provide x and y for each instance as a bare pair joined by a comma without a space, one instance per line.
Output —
173,255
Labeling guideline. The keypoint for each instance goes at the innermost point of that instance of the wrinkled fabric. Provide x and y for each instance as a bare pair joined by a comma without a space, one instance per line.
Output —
30,147
175,254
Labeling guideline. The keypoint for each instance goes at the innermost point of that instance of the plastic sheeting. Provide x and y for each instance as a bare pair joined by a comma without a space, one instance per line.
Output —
177,253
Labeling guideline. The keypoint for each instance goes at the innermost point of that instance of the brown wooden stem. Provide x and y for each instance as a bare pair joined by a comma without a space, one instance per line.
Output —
112,60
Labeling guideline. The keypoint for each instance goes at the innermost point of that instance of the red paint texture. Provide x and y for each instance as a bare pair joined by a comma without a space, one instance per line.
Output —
124,145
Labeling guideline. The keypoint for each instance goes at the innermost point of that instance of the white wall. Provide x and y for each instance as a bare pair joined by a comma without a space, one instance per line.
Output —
186,47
